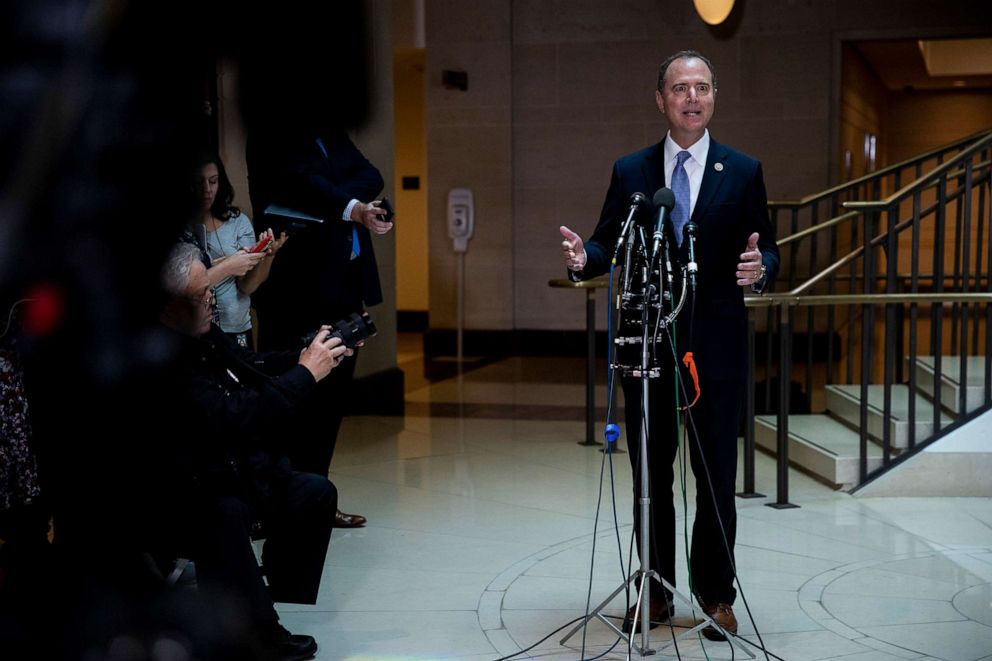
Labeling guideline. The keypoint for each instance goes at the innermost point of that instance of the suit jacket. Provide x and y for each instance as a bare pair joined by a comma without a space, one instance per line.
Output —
313,275
234,404
732,204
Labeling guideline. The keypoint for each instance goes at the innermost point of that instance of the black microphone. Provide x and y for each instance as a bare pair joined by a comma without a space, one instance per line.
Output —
638,205
664,200
692,267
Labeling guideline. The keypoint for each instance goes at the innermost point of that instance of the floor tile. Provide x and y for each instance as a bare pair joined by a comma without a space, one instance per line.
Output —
943,640
480,536
874,582
393,635
859,611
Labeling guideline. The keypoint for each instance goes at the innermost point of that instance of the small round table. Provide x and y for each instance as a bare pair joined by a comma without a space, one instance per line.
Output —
589,286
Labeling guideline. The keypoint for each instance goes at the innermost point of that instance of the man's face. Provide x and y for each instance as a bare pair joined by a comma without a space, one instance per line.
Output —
687,99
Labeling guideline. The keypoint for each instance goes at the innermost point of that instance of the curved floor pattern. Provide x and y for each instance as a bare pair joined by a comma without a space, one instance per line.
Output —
480,538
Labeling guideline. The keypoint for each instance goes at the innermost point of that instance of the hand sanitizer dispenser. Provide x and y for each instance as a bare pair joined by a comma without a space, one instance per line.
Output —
461,217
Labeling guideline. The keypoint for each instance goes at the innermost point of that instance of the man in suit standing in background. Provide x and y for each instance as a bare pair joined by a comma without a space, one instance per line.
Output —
722,192
329,271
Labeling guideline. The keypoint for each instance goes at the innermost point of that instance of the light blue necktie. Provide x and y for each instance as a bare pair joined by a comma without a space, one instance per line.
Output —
356,250
680,186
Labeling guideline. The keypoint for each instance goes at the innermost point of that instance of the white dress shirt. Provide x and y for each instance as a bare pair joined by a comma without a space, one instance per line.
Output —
694,166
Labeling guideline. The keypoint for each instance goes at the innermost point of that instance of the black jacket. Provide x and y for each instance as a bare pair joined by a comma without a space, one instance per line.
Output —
313,274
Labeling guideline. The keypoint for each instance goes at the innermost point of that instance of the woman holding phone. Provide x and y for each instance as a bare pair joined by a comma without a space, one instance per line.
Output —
237,263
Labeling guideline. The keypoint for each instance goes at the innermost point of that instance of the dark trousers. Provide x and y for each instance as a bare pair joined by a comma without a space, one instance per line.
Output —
716,420
298,519
313,433
313,428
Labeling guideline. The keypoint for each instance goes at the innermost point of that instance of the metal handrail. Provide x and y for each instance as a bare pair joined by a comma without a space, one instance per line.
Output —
964,176
921,182
859,207
789,299
856,210
816,197
813,229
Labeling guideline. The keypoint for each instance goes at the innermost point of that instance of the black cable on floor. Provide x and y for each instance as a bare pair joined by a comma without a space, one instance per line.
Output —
606,453
716,510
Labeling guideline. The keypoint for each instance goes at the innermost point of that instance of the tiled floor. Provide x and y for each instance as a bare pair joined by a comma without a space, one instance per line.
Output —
482,509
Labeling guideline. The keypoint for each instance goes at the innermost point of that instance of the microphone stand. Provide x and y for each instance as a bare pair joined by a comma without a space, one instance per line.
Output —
643,576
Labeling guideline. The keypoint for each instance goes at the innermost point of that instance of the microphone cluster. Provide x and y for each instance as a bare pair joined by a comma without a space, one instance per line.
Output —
653,216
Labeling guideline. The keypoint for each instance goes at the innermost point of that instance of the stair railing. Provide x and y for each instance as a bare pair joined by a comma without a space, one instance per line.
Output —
945,214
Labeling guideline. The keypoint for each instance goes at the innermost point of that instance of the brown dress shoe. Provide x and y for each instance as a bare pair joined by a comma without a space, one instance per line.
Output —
342,520
661,611
723,615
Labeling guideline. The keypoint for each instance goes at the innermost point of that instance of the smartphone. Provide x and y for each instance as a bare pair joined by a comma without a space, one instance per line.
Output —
388,207
261,245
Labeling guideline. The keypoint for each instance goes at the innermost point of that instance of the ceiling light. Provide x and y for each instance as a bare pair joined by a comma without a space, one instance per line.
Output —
714,12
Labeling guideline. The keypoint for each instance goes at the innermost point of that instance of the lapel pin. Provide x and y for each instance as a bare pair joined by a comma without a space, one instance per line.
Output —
718,167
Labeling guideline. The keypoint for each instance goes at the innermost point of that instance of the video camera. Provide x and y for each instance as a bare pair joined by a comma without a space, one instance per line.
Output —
352,331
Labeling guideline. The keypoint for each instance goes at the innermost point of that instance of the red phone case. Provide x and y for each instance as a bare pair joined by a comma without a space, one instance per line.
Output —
261,245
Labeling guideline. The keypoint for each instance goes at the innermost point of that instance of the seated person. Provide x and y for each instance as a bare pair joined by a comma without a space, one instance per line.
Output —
226,471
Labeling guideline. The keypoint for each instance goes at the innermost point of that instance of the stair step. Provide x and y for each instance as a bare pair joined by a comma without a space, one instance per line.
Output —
821,445
950,388
844,402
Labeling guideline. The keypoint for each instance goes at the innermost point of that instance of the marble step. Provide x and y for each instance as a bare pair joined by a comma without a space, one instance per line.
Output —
820,445
950,387
844,402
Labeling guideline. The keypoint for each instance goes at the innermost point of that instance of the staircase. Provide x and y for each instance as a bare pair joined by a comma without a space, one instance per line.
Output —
899,286
827,445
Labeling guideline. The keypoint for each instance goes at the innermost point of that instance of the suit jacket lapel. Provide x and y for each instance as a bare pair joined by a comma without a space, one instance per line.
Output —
713,177
653,169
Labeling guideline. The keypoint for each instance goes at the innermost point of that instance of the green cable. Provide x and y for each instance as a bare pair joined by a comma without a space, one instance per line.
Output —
682,477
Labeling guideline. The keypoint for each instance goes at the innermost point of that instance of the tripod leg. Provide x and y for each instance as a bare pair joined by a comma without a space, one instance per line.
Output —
596,612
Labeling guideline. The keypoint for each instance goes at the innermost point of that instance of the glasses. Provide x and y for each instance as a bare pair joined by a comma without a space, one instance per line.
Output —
206,300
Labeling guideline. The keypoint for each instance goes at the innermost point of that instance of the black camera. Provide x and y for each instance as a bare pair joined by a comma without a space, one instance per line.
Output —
352,330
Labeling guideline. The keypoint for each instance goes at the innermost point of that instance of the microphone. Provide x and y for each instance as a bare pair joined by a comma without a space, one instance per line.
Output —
664,200
638,205
692,267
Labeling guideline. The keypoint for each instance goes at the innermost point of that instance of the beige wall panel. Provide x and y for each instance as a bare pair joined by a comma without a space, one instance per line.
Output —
559,89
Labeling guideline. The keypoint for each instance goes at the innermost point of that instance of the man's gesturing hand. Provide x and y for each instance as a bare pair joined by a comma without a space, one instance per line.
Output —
749,270
572,249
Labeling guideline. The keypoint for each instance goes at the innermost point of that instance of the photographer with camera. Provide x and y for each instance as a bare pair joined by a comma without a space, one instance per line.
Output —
228,471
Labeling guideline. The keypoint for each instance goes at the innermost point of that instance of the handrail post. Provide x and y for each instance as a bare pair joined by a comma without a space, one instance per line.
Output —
748,491
784,381
867,335
893,330
965,203
590,368
985,205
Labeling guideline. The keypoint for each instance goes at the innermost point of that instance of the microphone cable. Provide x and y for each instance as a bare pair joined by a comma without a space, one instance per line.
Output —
644,430
611,433
567,624
691,427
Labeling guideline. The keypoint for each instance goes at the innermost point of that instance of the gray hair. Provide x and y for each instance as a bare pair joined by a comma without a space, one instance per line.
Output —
175,271
683,55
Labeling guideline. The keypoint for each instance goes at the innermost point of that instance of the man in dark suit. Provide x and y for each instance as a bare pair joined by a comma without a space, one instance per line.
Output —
722,192
327,271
